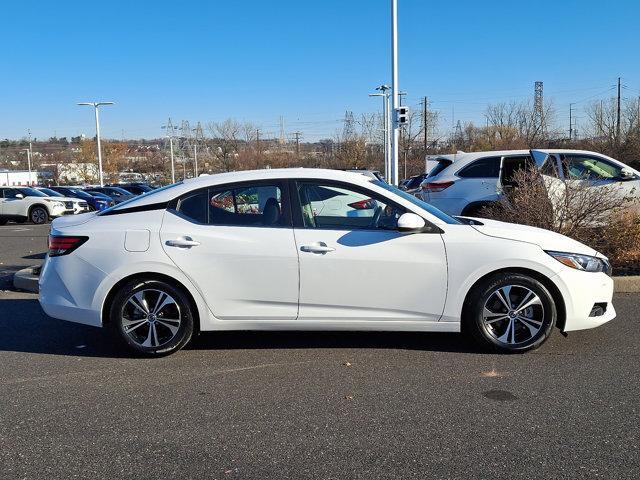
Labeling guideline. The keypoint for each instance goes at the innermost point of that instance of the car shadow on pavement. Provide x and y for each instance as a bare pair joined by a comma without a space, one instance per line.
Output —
427,341
26,328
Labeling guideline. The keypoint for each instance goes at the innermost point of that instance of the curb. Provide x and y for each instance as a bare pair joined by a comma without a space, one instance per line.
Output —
27,279
626,284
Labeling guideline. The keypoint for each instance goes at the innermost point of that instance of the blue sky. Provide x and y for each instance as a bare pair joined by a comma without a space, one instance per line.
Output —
306,60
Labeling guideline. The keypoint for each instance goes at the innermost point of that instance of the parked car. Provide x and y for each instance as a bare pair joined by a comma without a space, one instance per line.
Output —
79,205
246,251
561,168
24,203
464,183
136,188
412,184
117,194
95,202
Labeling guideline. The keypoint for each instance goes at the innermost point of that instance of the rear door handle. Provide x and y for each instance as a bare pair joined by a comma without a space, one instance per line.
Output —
182,242
319,247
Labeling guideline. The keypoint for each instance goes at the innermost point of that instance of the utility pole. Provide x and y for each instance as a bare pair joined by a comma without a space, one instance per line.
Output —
297,135
424,121
195,159
30,146
258,140
570,121
618,116
170,128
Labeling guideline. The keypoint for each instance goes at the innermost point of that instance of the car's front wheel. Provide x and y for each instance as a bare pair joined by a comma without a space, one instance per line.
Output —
510,312
152,317
38,215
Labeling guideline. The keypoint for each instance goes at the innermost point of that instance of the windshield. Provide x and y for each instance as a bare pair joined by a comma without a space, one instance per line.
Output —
50,193
79,193
144,195
418,203
30,192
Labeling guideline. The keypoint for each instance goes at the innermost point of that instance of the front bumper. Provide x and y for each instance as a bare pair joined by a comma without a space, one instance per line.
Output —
581,292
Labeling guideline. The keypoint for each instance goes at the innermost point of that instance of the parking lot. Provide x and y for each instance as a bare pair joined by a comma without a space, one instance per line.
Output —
309,405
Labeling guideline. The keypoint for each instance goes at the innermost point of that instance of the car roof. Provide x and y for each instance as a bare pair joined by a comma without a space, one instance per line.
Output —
166,194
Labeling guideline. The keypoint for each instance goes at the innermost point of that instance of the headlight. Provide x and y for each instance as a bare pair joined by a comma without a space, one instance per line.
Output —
54,203
585,263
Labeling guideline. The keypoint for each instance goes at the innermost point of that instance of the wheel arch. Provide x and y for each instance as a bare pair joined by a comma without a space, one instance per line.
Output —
35,205
546,281
106,306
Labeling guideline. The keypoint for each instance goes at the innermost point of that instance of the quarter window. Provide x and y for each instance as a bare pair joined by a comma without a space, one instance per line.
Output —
484,168
338,207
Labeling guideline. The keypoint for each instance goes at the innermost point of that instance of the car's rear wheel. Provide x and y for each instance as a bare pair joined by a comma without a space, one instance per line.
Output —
510,312
3,221
38,215
152,317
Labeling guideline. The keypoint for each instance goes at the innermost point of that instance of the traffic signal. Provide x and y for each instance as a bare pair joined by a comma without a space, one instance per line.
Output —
402,116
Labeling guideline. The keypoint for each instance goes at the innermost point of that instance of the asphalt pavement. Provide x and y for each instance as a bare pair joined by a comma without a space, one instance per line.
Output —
310,405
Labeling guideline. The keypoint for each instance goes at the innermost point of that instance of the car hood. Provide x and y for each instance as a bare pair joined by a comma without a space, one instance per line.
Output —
545,239
67,199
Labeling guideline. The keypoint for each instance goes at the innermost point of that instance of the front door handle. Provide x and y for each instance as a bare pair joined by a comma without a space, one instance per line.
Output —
318,247
182,242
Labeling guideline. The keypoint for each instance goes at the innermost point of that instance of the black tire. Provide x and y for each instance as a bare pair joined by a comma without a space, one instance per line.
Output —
3,221
134,325
38,215
486,305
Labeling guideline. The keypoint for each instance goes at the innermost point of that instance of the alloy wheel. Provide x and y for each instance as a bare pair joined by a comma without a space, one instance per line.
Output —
38,216
513,315
151,318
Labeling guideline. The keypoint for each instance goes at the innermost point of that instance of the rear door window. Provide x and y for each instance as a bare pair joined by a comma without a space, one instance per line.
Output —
245,205
484,168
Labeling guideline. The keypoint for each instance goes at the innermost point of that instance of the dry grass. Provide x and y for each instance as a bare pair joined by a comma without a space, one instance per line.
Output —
598,217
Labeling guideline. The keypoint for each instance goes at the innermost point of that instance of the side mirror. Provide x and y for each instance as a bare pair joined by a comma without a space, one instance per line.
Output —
19,195
627,174
410,223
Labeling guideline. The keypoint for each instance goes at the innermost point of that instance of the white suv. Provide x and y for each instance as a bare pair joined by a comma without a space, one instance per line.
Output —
23,203
464,183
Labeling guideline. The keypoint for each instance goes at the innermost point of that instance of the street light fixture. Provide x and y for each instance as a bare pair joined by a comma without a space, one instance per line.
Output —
95,106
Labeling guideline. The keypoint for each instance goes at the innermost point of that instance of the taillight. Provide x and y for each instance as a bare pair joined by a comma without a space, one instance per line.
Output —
63,245
366,204
436,186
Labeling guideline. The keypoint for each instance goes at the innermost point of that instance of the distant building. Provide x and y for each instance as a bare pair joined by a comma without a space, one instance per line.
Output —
15,178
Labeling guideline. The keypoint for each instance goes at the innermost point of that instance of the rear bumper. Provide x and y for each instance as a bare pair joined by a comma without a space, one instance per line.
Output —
66,288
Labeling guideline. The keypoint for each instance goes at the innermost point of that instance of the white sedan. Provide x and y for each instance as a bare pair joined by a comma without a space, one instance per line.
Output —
248,251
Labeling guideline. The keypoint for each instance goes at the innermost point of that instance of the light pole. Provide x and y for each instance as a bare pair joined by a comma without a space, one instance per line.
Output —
29,165
385,126
195,154
95,106
395,92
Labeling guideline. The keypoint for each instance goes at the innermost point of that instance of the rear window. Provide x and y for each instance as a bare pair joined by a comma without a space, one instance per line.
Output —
442,164
484,168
